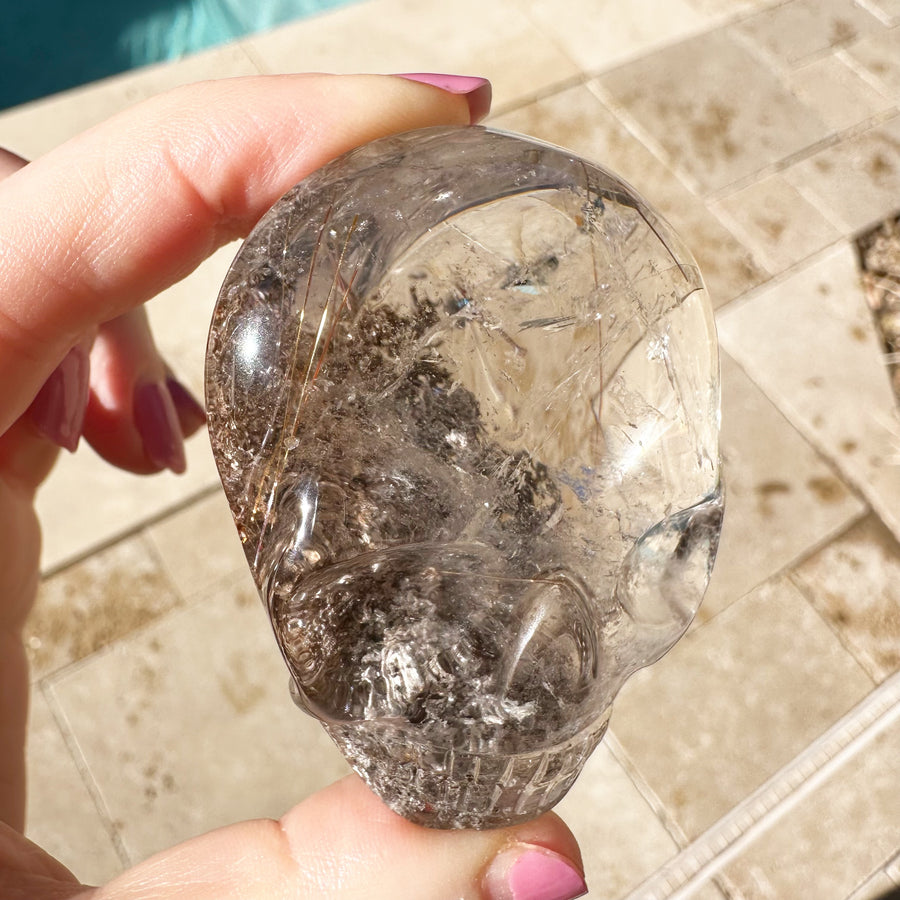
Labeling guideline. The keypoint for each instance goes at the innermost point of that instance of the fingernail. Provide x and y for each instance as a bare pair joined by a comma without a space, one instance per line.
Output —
533,873
156,420
477,90
191,414
58,409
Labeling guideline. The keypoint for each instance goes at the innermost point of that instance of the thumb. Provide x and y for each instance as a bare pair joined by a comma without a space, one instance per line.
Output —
343,843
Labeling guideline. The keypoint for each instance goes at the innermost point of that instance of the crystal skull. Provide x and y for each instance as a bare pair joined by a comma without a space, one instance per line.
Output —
463,398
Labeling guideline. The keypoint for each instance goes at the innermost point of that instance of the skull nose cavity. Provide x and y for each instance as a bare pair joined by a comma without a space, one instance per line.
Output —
445,639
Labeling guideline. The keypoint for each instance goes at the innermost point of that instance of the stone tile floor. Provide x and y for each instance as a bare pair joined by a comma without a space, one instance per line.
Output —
769,134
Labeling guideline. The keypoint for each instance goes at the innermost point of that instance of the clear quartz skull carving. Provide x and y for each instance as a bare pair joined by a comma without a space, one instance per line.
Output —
463,397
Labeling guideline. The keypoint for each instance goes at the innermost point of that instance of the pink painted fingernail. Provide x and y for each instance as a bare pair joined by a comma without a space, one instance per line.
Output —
533,873
191,415
156,420
477,90
58,409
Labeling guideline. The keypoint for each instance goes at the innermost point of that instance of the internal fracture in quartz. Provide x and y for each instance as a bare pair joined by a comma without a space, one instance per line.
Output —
463,397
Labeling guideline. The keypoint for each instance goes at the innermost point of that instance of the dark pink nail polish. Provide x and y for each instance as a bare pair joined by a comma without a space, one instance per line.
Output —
477,90
157,423
191,415
58,409
533,873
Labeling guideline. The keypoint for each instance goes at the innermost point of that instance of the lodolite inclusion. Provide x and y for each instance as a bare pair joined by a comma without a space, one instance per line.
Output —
463,397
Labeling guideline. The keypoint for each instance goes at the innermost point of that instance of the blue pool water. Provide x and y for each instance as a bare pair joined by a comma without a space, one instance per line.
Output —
51,45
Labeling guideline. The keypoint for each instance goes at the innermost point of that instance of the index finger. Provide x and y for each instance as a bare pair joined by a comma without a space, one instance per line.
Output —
109,219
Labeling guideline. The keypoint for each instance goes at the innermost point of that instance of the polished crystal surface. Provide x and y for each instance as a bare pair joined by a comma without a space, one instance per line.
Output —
463,396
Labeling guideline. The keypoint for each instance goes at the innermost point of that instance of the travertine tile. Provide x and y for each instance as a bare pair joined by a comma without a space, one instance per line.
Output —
734,701
835,837
854,582
96,602
199,546
86,503
780,226
189,725
781,497
493,39
837,93
621,839
877,54
35,128
855,182
62,815
718,113
577,119
599,34
727,9
798,29
810,344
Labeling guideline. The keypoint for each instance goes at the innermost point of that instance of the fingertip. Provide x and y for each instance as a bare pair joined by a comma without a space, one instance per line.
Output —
190,412
476,90
156,421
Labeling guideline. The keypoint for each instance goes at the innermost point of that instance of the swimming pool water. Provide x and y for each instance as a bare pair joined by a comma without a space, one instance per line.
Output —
51,45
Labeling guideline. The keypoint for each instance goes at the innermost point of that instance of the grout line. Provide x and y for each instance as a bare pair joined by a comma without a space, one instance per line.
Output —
805,153
642,786
634,127
246,47
132,530
787,570
865,662
548,35
892,869
864,73
875,11
537,96
91,786
768,804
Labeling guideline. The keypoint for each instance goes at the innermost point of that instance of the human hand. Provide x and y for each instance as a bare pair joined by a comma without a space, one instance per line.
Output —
87,234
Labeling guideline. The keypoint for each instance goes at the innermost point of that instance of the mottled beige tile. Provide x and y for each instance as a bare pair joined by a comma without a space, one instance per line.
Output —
778,224
578,120
189,725
781,497
62,816
835,837
854,582
716,111
622,841
810,344
495,40
35,128
855,182
199,546
599,34
840,96
877,54
798,29
96,602
734,701
86,503
728,9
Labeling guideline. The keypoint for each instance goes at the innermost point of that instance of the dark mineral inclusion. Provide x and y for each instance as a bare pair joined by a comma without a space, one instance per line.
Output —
463,396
